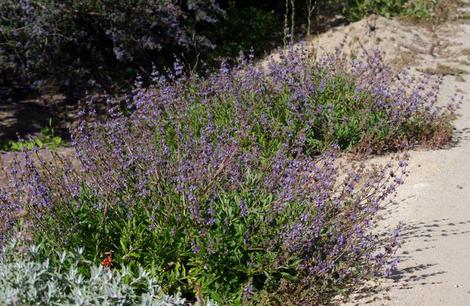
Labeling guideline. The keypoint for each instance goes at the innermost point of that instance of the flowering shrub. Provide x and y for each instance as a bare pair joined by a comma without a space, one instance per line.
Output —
228,226
229,187
27,280
357,104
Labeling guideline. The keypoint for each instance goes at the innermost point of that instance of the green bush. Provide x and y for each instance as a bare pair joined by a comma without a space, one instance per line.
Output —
419,9
46,139
175,250
244,248
27,279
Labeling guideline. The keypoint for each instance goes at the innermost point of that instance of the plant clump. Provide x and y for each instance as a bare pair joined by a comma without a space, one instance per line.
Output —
229,187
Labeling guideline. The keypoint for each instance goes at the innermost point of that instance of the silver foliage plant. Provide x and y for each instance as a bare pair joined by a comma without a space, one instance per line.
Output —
26,280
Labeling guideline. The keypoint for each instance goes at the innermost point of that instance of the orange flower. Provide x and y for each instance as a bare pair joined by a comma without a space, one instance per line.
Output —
108,261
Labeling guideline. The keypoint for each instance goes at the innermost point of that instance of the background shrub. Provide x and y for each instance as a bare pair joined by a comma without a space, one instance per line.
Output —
78,45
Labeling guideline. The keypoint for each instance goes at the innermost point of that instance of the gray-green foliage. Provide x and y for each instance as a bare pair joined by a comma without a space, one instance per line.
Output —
27,280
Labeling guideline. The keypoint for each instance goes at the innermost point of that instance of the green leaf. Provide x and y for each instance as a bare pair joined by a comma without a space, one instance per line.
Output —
38,143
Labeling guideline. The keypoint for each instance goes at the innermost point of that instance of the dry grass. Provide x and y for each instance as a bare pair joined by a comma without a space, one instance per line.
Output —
442,69
404,59
442,12
465,52
441,137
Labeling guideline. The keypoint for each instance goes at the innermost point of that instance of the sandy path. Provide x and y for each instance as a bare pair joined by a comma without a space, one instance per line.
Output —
434,204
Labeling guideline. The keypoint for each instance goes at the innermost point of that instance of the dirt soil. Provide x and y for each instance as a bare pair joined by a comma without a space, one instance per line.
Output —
28,114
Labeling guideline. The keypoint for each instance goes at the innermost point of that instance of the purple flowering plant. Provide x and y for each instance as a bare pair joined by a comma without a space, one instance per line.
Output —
232,187
359,105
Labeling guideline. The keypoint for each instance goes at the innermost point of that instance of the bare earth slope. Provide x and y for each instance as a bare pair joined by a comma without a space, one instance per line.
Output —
435,206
